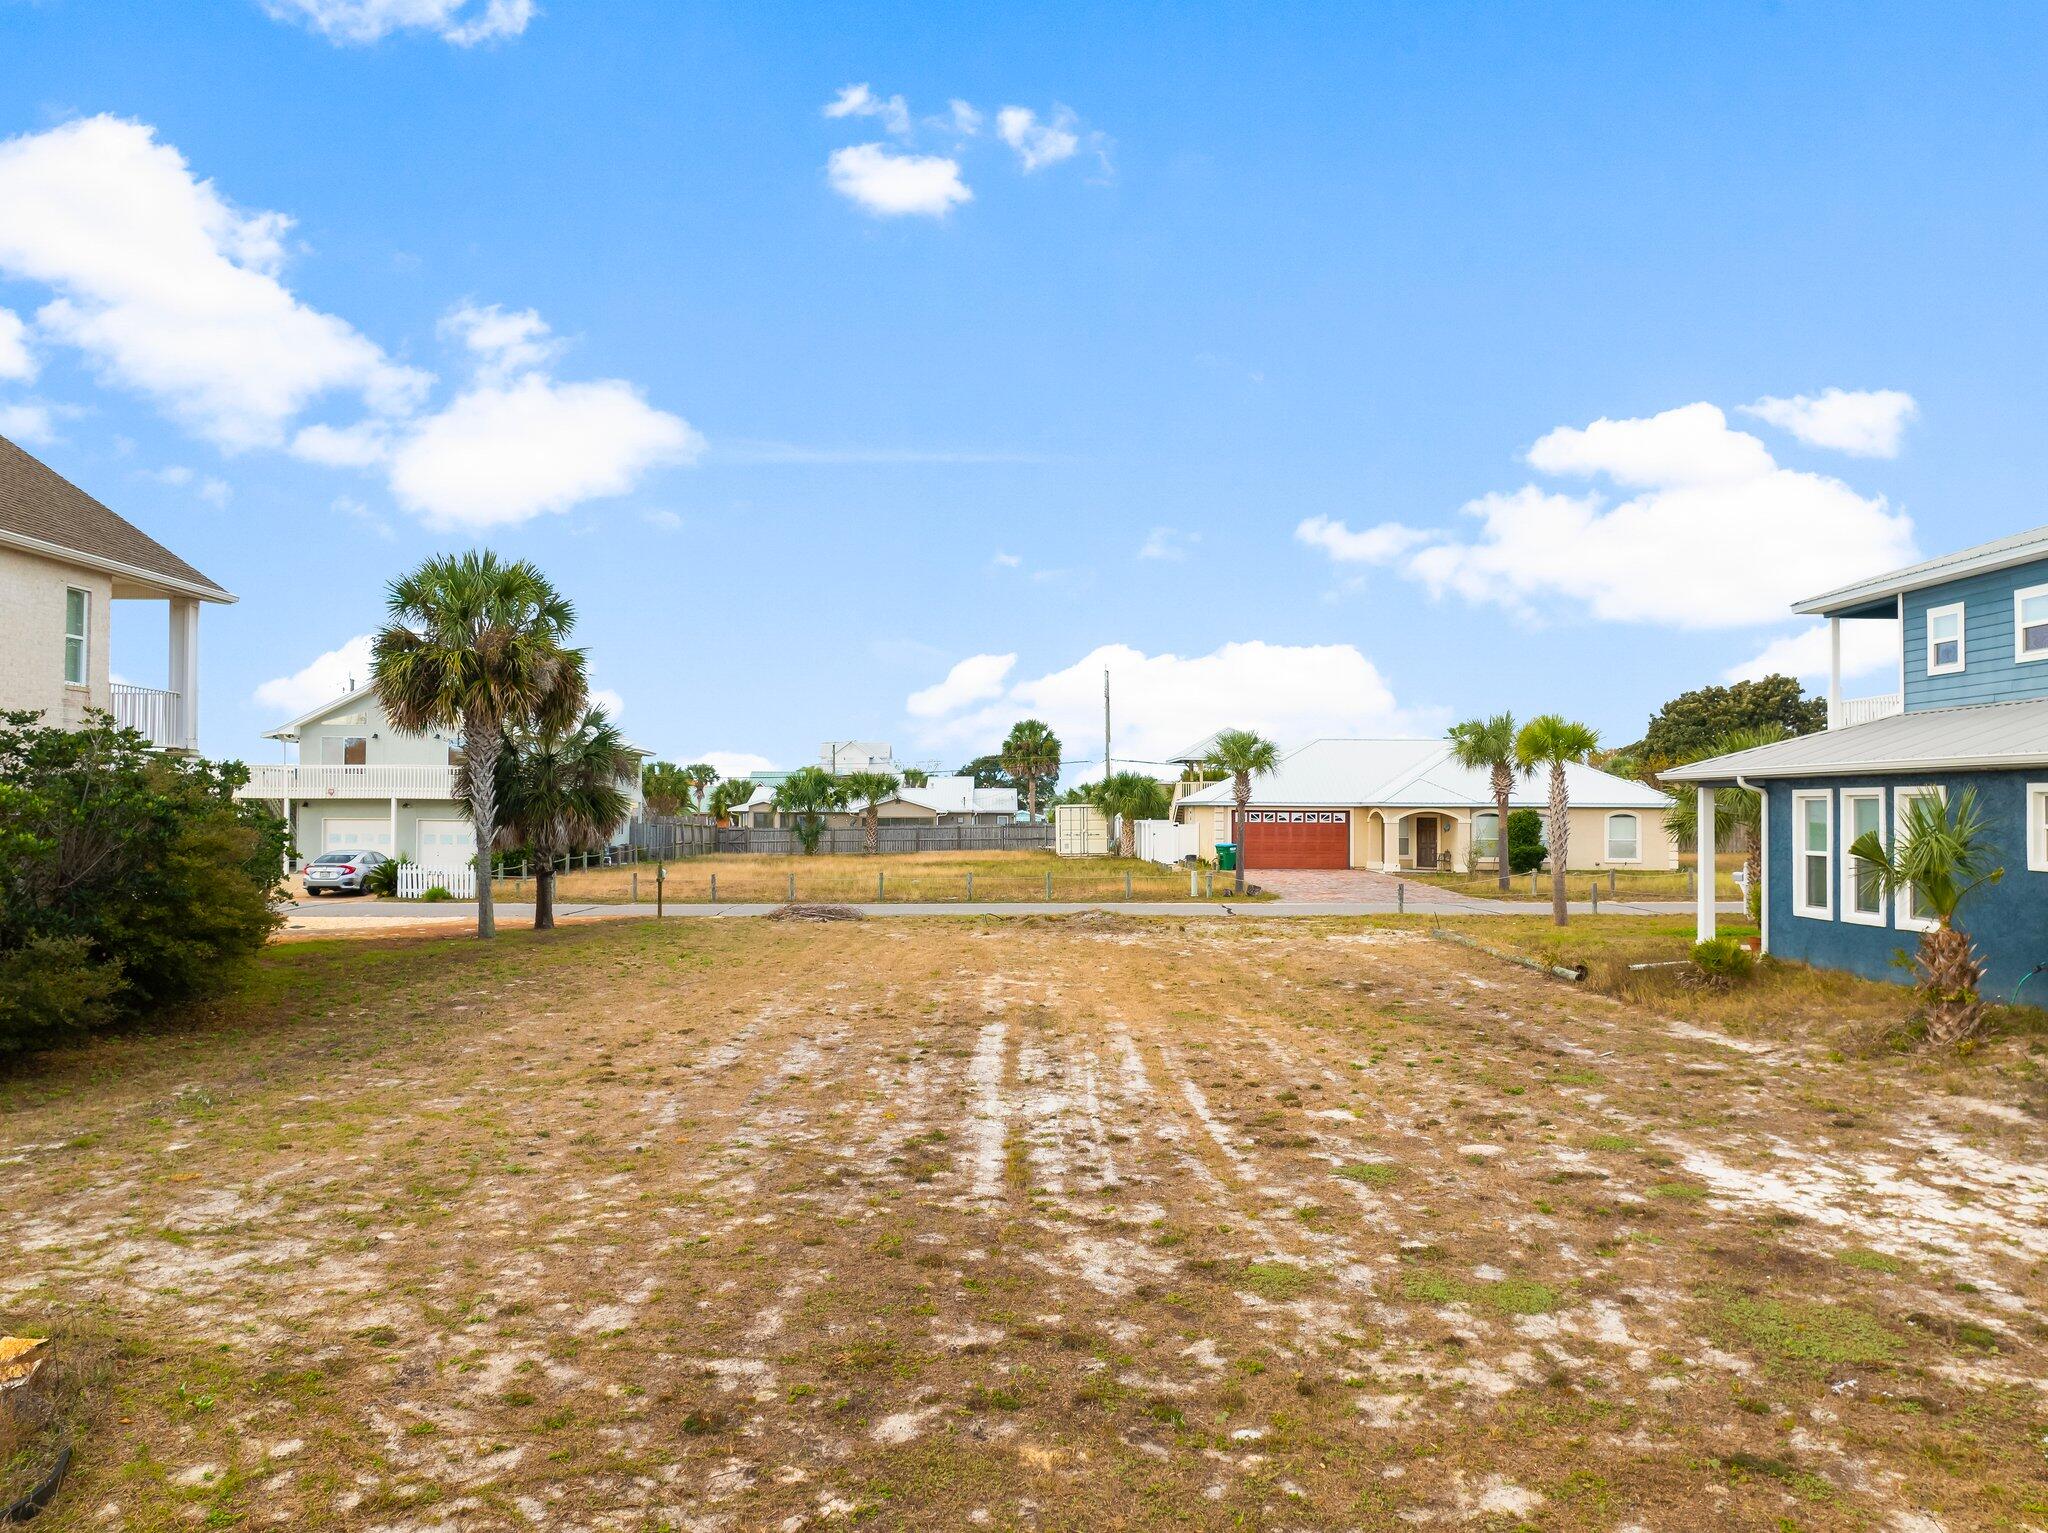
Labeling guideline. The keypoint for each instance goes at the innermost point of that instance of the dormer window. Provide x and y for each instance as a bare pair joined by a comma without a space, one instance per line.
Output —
2030,623
1944,639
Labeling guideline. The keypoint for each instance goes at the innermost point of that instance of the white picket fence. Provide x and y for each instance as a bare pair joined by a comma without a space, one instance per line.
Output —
1167,841
414,881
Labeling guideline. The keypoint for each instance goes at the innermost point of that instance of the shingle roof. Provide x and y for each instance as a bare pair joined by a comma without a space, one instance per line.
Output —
1983,735
2000,553
40,507
1415,774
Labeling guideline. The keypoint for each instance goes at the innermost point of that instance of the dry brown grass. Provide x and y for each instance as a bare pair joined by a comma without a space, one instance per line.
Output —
1083,1223
1617,883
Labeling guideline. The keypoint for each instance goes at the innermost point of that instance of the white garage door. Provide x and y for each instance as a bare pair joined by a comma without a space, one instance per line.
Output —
447,843
356,836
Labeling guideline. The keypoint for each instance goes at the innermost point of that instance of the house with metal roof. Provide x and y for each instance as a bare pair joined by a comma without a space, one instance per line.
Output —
64,560
1392,805
1971,711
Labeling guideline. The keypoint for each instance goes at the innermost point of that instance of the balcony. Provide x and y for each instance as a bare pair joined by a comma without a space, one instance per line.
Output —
159,716
282,780
1868,710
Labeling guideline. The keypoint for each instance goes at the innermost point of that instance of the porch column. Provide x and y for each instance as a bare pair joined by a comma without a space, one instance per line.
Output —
1834,673
184,669
1703,858
394,829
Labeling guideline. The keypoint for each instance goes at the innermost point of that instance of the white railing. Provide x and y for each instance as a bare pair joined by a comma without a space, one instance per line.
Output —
1167,841
157,714
287,780
414,881
1865,710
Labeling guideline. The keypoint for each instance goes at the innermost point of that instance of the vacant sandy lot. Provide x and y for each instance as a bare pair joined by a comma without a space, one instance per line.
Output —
1082,1223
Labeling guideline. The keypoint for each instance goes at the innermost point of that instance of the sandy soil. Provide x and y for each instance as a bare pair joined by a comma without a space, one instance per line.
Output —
1052,1223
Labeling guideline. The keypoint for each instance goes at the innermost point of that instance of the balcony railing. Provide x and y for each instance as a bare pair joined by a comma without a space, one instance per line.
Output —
158,715
286,780
1866,710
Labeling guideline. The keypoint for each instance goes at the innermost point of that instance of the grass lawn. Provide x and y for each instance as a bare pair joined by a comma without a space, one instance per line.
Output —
1626,884
916,877
1033,1222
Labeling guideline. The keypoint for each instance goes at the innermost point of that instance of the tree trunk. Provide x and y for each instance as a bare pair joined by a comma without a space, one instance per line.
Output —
481,743
1950,971
1242,790
1560,840
1031,797
1503,785
1127,835
874,836
544,897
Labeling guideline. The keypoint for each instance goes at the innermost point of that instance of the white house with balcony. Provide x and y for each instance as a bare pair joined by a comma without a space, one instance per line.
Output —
65,559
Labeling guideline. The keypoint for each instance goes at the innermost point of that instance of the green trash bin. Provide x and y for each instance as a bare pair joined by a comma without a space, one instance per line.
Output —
1226,856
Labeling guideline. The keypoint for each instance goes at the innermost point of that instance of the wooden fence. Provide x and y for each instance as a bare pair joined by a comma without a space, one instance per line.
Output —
853,840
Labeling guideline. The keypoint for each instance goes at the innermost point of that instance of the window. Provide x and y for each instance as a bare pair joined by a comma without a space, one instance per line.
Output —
1862,899
1401,845
2037,827
2030,623
1914,913
77,609
1623,838
1813,827
1944,639
1486,834
343,750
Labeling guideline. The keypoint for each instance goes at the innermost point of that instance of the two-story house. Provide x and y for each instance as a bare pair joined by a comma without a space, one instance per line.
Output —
1971,711
361,785
64,560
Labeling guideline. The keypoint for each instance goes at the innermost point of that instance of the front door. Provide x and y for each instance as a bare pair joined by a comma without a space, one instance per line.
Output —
1425,841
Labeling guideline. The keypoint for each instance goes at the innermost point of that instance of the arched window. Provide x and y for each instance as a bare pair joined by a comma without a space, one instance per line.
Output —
1624,838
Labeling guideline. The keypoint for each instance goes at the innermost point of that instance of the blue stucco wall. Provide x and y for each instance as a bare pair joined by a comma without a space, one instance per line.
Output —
2008,921
1990,674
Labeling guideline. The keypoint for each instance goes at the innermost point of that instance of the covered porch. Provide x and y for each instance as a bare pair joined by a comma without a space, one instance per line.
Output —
1432,840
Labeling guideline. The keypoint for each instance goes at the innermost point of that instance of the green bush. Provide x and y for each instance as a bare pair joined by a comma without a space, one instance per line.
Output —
1525,841
130,880
383,878
1724,960
434,894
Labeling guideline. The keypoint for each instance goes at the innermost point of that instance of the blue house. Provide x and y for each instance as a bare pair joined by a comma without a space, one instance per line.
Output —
1971,711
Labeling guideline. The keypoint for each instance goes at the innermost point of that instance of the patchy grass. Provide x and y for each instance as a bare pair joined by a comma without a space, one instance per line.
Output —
1806,1330
1614,883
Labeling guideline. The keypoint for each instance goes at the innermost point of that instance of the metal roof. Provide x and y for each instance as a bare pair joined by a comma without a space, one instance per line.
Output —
2001,553
1419,774
1982,735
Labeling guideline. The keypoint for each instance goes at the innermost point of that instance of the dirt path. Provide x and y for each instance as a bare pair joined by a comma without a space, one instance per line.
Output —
1066,1224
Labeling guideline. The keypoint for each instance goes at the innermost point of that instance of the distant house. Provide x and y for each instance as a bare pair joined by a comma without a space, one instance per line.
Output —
941,801
1970,711
64,560
1394,804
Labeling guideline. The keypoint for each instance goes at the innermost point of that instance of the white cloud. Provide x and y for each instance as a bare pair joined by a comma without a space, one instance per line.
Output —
502,343
357,446
325,678
355,510
664,519
17,362
1373,545
462,22
1292,693
963,118
730,763
889,184
1691,445
170,290
604,697
215,492
1168,543
1007,561
1868,644
1865,423
1038,144
860,101
972,680
28,421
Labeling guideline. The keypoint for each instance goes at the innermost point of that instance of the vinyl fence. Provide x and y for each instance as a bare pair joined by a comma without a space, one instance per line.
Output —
1167,842
414,881
853,840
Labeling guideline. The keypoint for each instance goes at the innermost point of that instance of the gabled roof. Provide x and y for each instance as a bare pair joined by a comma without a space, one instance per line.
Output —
1415,774
1980,736
367,693
2001,553
42,512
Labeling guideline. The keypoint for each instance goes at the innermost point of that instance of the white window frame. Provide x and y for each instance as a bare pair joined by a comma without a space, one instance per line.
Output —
1403,842
2037,827
1607,844
1825,911
83,636
1902,912
1952,609
1499,828
1847,820
2020,653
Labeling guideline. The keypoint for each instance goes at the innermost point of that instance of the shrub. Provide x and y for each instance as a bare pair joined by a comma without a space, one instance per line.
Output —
1723,960
1525,841
434,894
129,880
383,878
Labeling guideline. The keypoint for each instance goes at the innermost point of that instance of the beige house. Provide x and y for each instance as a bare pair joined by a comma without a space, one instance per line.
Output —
1390,805
940,801
65,559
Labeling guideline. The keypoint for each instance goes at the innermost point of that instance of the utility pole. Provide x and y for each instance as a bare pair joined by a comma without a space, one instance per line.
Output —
1106,767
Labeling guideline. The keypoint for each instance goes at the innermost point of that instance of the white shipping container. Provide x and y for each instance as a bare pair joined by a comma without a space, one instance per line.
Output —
1080,830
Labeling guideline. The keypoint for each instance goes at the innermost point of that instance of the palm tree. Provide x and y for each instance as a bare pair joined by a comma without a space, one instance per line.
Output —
561,791
807,793
870,788
1241,755
477,645
916,777
701,775
1941,854
1552,740
1489,745
1131,797
1031,755
666,788
1734,807
728,796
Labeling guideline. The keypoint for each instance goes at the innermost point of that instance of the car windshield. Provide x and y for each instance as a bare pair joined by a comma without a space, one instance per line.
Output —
335,857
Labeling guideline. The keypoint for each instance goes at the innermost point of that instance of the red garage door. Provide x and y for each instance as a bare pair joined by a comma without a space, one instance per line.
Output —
1297,838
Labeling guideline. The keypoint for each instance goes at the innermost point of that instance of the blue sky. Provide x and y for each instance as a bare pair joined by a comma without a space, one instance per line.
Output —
1336,369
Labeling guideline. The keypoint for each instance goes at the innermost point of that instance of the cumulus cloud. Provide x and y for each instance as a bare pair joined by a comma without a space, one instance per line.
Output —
860,101
1038,144
613,704
1371,545
1865,423
963,118
502,343
972,680
731,763
890,183
462,22
28,421
1868,645
17,362
323,679
1292,693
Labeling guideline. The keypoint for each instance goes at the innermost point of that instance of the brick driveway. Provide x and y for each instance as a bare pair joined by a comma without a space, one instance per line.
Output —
1339,886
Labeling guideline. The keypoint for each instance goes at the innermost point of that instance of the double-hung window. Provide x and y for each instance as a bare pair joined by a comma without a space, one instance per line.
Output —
77,620
1486,835
1813,836
1862,814
2037,827
2030,623
1914,914
1624,838
1944,639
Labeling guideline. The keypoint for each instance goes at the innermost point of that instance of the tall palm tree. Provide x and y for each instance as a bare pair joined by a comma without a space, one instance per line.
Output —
871,788
666,788
807,794
1241,755
1552,740
701,775
916,777
728,796
1488,745
1941,854
1031,755
1131,797
1738,808
478,645
561,791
